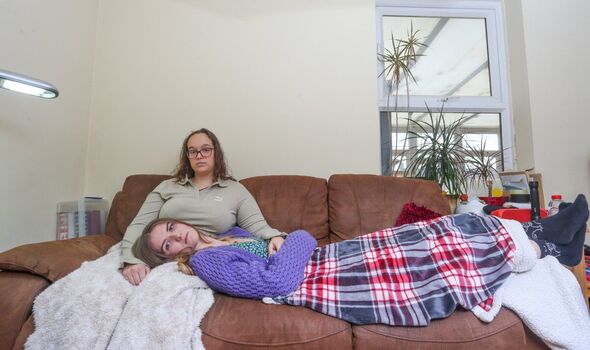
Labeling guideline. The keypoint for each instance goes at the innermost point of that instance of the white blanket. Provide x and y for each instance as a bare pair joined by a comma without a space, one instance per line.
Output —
545,295
94,307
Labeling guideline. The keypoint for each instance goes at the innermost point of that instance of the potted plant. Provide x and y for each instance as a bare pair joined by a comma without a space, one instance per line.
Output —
439,152
397,66
482,168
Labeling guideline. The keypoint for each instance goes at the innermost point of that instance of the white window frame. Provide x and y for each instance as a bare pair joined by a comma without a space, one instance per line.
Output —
498,102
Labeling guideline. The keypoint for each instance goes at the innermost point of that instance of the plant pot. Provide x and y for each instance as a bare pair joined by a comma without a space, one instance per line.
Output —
452,202
499,201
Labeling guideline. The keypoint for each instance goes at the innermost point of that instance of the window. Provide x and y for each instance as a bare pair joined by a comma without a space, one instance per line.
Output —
461,68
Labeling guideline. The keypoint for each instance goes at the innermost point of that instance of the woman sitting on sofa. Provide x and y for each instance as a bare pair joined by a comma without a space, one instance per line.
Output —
201,193
406,275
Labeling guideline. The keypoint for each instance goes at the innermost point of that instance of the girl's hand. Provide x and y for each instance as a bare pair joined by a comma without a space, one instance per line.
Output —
275,244
134,274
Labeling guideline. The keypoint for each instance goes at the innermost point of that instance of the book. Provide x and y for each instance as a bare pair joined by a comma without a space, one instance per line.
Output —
93,222
79,218
62,226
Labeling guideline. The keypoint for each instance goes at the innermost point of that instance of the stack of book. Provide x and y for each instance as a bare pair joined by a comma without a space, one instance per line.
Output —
69,225
80,218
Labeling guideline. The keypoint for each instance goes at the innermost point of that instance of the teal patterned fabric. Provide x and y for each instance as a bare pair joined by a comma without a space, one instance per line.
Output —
258,247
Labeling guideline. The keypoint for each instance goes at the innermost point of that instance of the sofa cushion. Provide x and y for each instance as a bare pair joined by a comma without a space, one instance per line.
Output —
234,323
127,202
55,259
360,204
290,203
461,330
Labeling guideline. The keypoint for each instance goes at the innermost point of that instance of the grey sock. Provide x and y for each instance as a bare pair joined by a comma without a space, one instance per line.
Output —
561,227
569,254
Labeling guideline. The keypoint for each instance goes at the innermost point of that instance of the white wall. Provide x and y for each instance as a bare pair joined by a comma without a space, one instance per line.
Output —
519,86
556,41
43,142
289,87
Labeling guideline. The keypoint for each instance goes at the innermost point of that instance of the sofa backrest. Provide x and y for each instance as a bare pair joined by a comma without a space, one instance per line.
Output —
346,206
127,202
291,202
360,204
287,202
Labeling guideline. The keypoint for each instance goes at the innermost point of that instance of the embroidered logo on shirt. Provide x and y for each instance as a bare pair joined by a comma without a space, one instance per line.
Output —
218,199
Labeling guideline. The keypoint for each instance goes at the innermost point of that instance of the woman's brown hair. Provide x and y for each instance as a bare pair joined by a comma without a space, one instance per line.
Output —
183,169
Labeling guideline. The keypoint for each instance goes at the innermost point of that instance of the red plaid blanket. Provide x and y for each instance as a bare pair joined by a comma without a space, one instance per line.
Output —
410,274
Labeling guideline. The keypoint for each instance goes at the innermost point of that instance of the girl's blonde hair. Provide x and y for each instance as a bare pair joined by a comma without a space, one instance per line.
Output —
183,266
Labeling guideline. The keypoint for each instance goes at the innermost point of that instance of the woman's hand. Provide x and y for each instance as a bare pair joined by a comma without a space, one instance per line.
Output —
275,244
135,273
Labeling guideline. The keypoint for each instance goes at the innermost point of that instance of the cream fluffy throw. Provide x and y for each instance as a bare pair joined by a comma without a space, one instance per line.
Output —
545,295
94,307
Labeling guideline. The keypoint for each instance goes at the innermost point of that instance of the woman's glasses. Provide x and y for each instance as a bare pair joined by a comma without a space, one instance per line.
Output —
205,152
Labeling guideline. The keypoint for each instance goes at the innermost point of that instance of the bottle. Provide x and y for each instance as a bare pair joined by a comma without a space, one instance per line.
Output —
497,188
554,203
535,205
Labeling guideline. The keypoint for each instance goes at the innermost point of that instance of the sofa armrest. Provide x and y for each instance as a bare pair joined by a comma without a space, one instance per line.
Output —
18,290
53,260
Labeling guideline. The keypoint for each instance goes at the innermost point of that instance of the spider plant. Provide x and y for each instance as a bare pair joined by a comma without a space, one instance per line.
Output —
439,152
397,64
481,166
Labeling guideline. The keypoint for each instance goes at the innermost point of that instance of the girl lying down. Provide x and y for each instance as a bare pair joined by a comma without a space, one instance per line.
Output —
405,275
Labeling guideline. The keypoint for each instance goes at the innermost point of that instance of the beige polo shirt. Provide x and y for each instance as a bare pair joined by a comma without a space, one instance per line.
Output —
212,210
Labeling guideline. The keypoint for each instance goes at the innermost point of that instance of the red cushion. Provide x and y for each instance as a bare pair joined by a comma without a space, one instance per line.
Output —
412,213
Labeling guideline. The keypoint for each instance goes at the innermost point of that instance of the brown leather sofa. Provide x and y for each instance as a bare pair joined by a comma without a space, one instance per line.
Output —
343,207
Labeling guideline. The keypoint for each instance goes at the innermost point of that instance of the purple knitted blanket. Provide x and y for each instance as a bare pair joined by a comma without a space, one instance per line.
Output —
239,273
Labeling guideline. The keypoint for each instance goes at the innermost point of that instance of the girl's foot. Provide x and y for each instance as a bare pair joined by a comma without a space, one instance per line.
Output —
561,227
568,254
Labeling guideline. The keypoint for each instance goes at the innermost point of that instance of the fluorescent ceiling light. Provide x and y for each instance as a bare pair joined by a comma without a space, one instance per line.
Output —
27,85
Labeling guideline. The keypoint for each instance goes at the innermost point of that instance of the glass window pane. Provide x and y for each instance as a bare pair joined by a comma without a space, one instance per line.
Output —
398,141
488,141
476,129
495,162
399,163
484,123
455,61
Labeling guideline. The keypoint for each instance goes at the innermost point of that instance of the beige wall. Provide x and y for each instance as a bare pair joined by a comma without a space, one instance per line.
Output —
556,42
518,76
289,87
43,142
